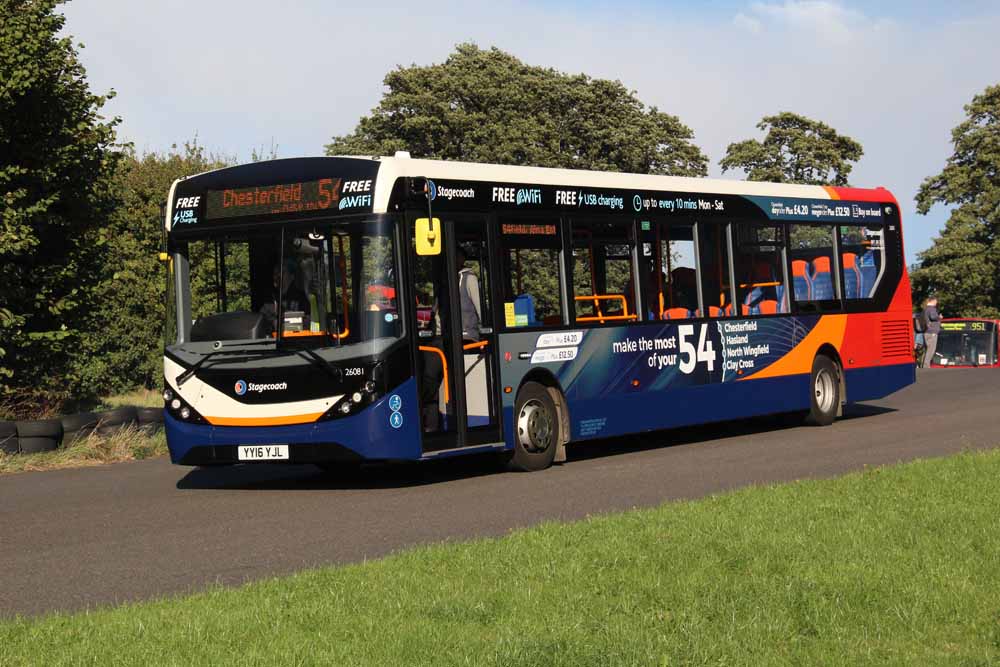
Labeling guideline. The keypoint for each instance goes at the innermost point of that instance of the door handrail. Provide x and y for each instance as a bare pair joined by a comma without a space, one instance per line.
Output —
444,366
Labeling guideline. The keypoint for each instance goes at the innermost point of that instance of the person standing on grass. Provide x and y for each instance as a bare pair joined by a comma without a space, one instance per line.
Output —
932,327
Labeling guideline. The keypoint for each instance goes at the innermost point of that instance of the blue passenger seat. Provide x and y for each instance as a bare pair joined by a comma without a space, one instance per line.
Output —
852,277
801,283
822,280
525,305
868,269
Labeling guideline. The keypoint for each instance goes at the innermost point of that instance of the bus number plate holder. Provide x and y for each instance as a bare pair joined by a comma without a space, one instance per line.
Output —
262,452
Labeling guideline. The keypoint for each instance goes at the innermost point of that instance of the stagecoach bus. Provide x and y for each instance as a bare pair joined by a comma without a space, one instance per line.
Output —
323,309
967,342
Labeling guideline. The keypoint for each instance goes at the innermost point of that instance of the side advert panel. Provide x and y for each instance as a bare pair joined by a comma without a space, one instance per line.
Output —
630,379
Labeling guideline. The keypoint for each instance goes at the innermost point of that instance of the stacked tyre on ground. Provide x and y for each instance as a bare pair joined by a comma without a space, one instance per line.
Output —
44,435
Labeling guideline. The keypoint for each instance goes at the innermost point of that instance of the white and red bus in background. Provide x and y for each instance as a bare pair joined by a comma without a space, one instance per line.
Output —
966,342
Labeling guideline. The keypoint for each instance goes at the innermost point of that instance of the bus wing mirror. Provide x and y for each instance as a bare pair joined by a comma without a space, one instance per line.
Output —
428,236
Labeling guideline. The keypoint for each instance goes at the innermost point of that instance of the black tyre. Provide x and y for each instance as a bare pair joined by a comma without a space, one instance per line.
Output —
150,419
112,421
76,427
824,391
537,429
39,435
8,438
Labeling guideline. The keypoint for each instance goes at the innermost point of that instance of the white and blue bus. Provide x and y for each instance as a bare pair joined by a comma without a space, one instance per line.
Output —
337,310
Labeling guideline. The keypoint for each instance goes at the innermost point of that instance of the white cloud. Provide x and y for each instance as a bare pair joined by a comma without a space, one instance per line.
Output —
749,23
828,20
298,73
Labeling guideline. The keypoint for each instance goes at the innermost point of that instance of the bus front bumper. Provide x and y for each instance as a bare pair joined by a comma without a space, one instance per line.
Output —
374,433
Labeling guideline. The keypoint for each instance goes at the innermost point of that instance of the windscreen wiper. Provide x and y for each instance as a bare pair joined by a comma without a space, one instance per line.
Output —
310,355
189,373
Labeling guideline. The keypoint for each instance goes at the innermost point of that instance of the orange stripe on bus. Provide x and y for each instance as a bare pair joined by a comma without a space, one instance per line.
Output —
830,190
264,421
830,329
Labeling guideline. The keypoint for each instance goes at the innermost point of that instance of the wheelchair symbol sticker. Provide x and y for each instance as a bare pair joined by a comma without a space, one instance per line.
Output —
395,420
395,403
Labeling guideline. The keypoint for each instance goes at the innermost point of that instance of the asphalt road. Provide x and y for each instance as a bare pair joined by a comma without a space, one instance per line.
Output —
76,539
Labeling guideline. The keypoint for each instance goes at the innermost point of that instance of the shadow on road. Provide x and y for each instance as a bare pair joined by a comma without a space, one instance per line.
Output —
278,477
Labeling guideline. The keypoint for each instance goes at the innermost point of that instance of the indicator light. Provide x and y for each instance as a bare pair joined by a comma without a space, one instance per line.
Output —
168,395
185,412
175,404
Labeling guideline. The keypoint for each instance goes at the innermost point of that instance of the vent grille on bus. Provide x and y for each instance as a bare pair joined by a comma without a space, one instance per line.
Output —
896,339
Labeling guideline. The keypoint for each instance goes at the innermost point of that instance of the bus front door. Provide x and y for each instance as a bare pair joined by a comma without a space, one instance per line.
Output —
456,346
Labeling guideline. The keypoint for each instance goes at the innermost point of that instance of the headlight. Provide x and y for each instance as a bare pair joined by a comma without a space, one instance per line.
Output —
345,407
185,412
175,404
370,386
167,395
357,397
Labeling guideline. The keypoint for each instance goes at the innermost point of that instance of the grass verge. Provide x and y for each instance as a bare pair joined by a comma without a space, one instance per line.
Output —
895,565
128,444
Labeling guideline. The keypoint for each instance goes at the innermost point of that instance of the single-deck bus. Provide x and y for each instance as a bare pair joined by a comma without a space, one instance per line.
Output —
337,310
967,342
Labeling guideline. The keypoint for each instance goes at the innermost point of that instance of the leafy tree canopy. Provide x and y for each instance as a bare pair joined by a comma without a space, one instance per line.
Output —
795,149
56,157
122,343
962,267
488,106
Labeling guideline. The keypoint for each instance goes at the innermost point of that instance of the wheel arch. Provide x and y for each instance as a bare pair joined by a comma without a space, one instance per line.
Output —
544,377
828,350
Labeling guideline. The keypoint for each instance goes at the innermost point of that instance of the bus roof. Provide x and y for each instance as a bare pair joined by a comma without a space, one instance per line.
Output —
386,171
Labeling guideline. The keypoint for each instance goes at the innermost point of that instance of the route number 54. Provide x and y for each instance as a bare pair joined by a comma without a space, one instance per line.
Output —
691,355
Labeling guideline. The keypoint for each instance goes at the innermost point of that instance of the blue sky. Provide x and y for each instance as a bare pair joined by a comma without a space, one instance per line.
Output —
893,75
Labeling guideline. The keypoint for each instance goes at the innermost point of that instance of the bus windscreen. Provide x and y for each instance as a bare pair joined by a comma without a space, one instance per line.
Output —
969,343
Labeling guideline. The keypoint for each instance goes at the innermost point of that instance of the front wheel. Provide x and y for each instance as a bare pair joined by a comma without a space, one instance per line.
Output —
824,384
537,429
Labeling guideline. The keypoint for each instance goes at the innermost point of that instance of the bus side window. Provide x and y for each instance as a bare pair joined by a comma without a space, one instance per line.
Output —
813,276
667,264
529,273
862,258
758,259
603,287
716,281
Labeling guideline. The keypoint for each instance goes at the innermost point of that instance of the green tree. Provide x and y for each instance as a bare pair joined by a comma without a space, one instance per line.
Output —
57,155
122,346
488,106
963,265
795,149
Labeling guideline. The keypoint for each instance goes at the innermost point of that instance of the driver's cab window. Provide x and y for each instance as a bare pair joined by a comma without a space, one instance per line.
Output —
335,283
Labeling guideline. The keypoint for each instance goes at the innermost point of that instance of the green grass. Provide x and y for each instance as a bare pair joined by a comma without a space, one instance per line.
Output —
897,565
128,444
143,398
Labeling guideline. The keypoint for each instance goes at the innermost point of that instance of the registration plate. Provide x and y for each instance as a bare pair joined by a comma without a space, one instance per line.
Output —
263,453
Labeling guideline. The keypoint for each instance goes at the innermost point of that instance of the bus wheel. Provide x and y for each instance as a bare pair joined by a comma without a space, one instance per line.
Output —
537,429
824,385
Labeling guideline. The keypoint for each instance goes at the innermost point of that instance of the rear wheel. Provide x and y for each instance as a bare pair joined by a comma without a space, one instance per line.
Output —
824,394
537,429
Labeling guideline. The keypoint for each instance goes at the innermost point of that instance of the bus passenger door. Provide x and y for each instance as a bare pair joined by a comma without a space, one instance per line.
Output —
479,351
455,367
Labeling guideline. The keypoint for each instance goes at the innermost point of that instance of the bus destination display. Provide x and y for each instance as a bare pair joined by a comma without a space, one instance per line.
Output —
259,200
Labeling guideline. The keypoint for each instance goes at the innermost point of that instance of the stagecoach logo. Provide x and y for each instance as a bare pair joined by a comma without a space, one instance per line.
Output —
449,193
241,387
